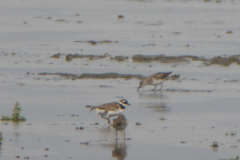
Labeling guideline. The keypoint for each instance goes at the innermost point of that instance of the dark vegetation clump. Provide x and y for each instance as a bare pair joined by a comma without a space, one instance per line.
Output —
92,42
64,75
60,20
102,76
120,16
234,80
165,59
109,75
95,76
224,61
56,55
16,117
218,60
69,57
229,32
120,58
142,58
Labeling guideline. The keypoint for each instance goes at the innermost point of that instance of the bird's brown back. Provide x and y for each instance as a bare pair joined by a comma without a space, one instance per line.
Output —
161,75
110,106
149,80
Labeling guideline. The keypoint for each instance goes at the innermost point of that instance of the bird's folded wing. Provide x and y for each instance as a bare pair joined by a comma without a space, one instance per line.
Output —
101,108
162,75
109,107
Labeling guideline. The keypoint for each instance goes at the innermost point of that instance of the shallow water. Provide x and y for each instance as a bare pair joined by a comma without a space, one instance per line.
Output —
196,118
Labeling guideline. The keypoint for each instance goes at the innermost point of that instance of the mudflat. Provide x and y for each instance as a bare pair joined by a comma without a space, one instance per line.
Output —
58,57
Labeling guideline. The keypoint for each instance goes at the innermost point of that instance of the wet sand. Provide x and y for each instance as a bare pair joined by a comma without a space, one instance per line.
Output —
180,122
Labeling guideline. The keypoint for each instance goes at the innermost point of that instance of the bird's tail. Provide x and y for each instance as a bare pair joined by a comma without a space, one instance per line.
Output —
92,107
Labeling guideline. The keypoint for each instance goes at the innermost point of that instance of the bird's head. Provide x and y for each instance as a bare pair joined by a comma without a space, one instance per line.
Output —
124,102
141,84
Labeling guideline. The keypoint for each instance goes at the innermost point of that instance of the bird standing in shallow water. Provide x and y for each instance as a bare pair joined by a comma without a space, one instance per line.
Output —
154,80
120,123
110,109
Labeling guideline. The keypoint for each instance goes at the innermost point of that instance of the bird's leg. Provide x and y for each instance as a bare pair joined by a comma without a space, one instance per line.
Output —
106,119
103,117
124,139
116,135
161,84
160,87
154,88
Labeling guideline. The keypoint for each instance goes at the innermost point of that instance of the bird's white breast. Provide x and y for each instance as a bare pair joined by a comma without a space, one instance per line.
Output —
102,112
115,113
156,82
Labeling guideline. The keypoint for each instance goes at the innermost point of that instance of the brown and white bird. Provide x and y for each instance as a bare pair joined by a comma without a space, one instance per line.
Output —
110,109
154,80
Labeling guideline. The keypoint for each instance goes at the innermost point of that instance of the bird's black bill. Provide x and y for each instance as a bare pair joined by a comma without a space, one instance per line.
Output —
128,104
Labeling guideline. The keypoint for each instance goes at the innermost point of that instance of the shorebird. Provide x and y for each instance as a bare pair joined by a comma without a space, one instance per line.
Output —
120,123
110,109
154,80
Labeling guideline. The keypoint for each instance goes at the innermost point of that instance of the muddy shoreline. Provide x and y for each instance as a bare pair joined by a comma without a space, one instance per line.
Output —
102,76
218,60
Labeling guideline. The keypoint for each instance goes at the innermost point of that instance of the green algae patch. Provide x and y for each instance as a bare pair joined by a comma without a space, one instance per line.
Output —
165,59
16,117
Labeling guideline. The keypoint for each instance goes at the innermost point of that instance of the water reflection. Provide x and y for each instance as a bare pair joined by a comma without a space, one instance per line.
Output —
16,124
16,135
120,150
161,107
151,94
215,149
158,106
1,139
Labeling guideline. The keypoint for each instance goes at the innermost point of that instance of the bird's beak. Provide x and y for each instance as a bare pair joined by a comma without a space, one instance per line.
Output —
128,104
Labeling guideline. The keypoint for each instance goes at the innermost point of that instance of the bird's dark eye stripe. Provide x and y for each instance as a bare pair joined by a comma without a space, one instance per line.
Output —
124,101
